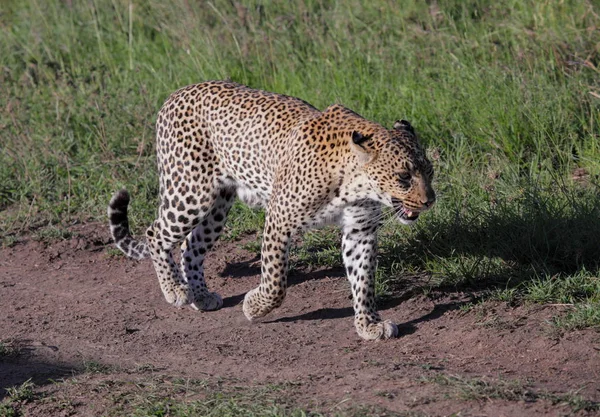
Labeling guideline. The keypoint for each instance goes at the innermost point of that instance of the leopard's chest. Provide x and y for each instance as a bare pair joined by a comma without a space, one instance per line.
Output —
330,213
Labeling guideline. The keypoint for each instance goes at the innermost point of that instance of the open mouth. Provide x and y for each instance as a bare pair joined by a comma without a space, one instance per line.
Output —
403,214
407,214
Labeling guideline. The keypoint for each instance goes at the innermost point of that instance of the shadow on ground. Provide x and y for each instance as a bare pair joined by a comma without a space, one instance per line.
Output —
242,269
15,371
505,242
405,328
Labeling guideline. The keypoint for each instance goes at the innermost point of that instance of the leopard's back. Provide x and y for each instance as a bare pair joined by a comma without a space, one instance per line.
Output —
244,132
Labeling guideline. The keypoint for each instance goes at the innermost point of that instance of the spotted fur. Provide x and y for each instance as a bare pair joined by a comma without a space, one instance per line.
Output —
306,167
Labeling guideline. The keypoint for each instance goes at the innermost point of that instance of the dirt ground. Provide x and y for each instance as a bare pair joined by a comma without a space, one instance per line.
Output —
70,302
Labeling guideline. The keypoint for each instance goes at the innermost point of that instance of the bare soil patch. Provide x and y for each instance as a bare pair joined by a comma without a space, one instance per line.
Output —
71,303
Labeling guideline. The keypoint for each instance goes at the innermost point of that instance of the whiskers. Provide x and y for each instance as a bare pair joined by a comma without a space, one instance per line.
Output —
385,212
381,216
391,215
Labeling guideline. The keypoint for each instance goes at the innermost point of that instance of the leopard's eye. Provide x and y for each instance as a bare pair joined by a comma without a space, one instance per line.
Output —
404,176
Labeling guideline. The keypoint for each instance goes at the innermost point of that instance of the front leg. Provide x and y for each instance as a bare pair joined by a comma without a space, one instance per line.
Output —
359,250
274,259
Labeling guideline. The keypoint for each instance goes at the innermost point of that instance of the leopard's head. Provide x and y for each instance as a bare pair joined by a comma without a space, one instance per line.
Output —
397,169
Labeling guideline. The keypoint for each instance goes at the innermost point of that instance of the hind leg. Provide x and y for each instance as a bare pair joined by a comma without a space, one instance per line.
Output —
193,251
177,218
172,284
274,264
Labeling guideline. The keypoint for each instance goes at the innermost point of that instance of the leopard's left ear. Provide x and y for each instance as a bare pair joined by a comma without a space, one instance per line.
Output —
404,125
359,145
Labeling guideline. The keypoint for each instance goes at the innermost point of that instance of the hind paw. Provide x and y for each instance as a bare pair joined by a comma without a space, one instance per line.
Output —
257,305
178,296
377,331
207,302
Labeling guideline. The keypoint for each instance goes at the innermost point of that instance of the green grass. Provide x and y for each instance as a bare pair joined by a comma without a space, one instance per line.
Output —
22,393
318,248
221,400
52,233
94,367
584,315
17,397
243,220
506,95
9,349
137,393
484,389
144,391
216,407
579,293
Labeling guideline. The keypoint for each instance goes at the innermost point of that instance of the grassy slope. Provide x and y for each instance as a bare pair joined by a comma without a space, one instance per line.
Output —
506,95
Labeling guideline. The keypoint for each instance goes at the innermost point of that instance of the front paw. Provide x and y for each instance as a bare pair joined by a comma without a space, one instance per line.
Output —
256,305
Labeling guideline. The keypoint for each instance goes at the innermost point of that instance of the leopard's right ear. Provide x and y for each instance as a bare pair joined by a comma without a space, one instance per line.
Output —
359,145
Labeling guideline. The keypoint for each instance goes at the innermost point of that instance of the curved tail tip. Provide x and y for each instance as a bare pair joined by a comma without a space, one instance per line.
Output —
119,199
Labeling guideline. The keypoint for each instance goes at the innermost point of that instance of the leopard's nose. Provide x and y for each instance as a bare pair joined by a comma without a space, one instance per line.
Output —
428,202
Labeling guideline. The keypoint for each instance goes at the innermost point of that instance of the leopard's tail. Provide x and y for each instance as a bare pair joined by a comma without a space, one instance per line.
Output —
119,227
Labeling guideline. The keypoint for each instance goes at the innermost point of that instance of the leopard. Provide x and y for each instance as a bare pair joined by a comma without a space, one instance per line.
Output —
218,140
